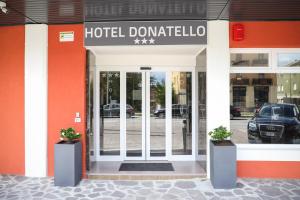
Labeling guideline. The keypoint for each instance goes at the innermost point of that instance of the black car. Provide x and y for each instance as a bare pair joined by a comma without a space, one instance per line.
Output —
234,112
113,110
275,123
178,110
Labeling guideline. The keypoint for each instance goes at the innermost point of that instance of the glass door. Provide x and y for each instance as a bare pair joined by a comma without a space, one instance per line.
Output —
135,116
145,116
156,115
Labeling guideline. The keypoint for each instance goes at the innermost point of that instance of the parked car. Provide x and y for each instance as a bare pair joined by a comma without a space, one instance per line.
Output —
178,110
275,123
234,112
113,110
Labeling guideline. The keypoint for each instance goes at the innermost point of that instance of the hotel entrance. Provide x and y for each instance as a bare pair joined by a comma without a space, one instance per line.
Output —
153,112
145,113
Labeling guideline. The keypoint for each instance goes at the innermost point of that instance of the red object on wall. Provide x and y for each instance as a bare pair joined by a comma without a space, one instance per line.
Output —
66,87
238,32
268,169
12,142
279,34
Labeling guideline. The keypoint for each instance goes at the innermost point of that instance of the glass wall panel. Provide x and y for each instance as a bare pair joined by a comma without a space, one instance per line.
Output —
181,113
134,114
249,59
201,113
109,113
157,114
265,108
289,59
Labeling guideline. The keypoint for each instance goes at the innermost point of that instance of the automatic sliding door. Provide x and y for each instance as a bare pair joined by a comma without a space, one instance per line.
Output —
134,113
157,100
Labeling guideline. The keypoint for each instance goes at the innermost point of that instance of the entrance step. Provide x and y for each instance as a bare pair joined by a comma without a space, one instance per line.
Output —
145,176
110,170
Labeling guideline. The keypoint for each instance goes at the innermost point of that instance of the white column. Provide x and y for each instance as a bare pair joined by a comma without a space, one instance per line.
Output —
218,91
36,73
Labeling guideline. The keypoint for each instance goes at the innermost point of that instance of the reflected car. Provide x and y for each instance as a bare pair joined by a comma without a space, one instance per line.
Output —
275,123
178,110
234,112
113,110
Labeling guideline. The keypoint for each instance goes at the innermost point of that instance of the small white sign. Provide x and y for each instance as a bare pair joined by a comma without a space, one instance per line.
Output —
66,36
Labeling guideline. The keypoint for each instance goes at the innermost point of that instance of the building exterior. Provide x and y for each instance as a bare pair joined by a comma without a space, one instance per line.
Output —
151,98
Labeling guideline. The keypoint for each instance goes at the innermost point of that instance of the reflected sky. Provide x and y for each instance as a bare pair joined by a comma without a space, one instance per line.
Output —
289,59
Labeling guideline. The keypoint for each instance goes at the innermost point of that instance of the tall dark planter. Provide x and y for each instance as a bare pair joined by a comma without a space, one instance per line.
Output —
223,164
67,163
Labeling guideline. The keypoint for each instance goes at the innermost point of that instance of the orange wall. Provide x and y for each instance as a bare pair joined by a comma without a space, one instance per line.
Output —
12,46
268,169
268,35
66,86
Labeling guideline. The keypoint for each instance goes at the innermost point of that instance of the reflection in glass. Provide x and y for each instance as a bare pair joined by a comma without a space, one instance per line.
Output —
249,59
90,109
134,114
202,113
269,112
109,113
157,114
181,113
289,60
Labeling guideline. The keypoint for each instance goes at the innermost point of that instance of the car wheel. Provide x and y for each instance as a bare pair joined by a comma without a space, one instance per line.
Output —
231,116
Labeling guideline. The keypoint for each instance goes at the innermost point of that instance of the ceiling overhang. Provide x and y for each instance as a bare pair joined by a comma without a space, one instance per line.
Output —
80,11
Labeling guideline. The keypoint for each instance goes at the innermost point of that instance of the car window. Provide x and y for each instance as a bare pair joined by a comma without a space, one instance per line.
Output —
277,110
289,111
265,111
296,111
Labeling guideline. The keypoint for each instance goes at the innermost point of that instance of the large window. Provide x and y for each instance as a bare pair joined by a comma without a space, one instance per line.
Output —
265,108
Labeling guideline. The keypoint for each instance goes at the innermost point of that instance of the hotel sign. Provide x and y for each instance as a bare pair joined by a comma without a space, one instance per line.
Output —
145,33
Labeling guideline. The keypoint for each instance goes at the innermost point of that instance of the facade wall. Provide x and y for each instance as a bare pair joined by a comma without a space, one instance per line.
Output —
267,35
12,156
66,86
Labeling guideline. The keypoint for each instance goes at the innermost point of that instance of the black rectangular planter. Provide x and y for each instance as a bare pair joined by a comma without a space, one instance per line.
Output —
223,164
67,163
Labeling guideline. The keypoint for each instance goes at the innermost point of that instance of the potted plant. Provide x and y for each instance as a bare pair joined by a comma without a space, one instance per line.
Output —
222,159
67,158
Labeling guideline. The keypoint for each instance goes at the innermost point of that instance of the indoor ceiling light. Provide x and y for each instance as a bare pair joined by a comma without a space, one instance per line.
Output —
3,7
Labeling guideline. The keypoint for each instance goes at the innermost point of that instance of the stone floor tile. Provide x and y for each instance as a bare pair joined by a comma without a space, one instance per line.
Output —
18,187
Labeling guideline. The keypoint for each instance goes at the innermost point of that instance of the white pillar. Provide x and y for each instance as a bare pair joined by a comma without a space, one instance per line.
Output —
218,89
36,73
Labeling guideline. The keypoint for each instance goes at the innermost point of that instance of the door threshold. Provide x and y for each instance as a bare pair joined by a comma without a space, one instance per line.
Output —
145,176
109,170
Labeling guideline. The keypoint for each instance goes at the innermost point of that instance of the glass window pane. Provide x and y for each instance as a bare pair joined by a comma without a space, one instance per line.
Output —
289,60
181,113
157,114
134,114
202,113
249,59
266,110
109,113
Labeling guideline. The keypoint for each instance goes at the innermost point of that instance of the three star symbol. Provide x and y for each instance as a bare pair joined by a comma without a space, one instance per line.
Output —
143,41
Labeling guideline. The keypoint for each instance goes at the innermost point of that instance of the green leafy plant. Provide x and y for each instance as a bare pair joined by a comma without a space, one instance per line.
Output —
219,134
69,134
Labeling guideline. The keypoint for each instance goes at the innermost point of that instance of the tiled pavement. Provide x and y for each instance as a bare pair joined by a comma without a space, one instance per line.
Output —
19,187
